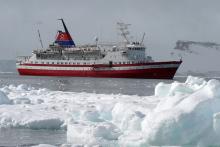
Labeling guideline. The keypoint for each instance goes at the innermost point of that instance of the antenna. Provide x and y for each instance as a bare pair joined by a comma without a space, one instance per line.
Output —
40,38
96,40
142,40
124,30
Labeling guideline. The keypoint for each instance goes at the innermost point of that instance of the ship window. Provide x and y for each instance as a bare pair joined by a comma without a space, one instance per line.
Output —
42,62
52,62
31,62
77,62
124,63
66,63
47,62
133,62
36,62
119,62
128,62
58,63
69,62
61,63
84,63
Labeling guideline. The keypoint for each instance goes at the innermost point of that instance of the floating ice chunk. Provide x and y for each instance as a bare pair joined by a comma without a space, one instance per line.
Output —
39,101
28,116
44,145
195,82
90,115
105,111
42,91
4,99
91,134
21,101
162,89
126,118
22,87
187,120
133,139
5,89
50,123
216,123
179,89
213,87
211,137
174,89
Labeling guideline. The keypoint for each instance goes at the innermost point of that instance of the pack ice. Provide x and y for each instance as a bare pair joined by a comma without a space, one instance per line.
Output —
177,114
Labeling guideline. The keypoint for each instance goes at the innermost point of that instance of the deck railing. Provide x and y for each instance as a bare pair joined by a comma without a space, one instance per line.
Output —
20,59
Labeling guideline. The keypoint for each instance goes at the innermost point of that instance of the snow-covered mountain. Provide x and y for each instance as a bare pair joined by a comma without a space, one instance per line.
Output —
198,57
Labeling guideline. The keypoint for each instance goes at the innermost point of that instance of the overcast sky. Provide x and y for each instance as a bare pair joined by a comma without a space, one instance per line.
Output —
164,21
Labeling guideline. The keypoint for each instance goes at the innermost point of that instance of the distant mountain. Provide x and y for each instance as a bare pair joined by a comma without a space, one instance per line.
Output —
186,45
198,57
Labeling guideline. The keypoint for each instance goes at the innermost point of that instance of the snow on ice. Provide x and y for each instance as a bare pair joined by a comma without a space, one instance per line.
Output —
178,114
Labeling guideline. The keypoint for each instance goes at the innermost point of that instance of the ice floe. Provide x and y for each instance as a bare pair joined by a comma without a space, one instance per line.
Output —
177,114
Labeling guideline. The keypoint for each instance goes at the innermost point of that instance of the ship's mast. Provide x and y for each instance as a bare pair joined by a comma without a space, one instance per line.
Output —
41,43
142,40
123,28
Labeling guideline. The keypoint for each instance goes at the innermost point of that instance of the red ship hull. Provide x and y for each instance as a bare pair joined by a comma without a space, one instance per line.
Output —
154,70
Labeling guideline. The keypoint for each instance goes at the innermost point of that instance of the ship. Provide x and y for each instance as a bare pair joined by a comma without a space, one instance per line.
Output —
125,59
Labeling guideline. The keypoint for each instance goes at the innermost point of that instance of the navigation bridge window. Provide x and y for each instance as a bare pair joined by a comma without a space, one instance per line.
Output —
135,48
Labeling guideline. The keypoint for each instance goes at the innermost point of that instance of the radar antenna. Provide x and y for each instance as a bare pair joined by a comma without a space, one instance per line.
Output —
123,28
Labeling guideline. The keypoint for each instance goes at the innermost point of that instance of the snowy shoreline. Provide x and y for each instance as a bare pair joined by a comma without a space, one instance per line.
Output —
177,114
